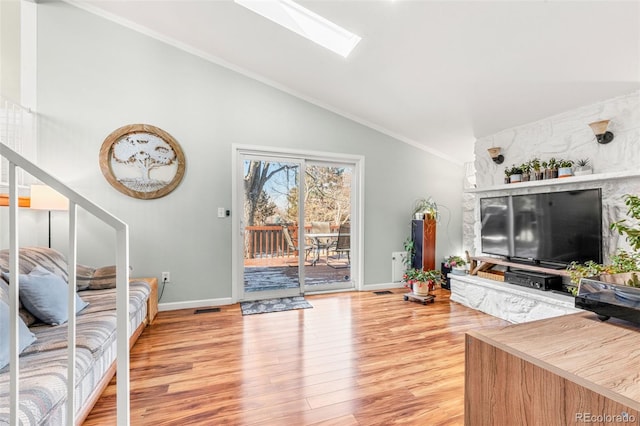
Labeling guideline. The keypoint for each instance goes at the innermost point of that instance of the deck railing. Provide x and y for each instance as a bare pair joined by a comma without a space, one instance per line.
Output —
269,241
16,162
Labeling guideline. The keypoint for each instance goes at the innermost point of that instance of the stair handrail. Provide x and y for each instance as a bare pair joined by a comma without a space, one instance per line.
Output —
122,287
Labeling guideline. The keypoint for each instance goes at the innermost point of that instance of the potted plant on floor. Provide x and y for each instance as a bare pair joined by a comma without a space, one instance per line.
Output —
422,282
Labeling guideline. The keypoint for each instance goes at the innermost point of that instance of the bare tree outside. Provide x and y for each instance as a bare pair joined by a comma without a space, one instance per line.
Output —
271,201
257,174
327,193
327,196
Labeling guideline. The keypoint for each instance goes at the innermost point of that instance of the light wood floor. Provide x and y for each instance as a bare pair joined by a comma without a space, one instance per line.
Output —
354,359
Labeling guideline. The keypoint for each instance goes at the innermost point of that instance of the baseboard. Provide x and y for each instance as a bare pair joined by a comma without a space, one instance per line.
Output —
383,286
191,304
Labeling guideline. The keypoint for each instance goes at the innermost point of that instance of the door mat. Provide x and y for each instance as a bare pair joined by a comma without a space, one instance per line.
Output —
274,305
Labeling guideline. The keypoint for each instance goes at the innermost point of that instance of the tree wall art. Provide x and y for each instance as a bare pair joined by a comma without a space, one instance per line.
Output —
142,161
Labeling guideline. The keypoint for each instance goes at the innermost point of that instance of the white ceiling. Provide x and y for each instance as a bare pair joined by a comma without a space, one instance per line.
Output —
435,74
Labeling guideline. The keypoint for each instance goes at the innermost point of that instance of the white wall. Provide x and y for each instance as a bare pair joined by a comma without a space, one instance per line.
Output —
95,76
568,136
10,49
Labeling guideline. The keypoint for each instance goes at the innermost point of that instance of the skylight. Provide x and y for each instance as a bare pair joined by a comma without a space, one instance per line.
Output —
305,23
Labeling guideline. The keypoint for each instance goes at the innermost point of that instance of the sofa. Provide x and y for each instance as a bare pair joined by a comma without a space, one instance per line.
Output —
43,334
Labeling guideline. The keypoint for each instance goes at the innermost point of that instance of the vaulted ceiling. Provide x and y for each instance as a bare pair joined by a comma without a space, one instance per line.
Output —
435,74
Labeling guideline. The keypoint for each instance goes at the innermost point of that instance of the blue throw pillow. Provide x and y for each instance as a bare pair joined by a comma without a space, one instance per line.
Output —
44,294
25,337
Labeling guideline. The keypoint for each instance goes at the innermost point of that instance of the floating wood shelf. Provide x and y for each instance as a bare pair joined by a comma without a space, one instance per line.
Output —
482,263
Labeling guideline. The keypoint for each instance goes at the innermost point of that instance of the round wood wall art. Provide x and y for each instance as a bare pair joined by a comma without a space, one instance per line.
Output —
142,161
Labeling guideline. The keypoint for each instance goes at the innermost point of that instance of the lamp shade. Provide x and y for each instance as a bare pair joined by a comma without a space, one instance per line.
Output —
599,127
44,197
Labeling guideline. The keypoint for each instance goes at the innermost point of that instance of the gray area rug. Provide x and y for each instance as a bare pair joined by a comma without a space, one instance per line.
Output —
274,305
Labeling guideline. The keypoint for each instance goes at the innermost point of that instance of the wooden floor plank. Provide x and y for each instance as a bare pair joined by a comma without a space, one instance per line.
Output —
355,358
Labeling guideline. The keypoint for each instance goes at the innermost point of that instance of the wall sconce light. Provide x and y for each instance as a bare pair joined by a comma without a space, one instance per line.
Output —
495,155
600,130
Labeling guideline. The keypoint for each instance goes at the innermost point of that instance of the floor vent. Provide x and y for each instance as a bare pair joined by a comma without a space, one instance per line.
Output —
206,311
380,293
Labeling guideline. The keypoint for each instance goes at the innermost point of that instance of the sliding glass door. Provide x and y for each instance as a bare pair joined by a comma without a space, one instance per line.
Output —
327,213
272,261
296,225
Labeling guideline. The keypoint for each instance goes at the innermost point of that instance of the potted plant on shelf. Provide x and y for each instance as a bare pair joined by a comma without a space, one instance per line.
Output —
525,169
551,171
564,168
507,175
425,208
582,167
422,282
536,171
456,263
516,174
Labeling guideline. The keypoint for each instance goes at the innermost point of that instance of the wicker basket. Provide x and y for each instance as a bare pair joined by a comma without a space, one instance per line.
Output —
492,275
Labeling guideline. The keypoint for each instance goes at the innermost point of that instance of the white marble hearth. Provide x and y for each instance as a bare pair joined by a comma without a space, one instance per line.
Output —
510,302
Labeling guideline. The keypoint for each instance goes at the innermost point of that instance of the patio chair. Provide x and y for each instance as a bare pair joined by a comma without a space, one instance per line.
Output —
292,244
343,244
321,243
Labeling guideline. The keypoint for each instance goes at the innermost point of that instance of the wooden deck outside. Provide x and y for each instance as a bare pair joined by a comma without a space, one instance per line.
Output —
282,272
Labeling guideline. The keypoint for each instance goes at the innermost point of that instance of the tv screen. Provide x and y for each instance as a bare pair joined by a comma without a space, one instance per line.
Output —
553,228
558,227
495,215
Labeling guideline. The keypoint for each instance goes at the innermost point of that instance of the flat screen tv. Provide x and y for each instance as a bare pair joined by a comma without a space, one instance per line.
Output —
495,216
554,228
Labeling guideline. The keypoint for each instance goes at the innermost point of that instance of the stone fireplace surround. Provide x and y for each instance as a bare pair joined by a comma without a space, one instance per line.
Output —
519,304
510,302
567,136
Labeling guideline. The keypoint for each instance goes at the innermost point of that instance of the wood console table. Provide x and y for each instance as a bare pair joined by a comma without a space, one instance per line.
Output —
152,302
568,370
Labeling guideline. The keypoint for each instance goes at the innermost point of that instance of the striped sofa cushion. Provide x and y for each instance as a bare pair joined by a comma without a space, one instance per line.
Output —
30,257
87,277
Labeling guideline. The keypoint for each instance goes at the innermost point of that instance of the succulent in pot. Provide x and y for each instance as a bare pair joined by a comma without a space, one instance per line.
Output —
582,167
516,174
565,168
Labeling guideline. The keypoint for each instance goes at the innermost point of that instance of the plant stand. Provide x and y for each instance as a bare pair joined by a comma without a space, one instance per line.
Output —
429,298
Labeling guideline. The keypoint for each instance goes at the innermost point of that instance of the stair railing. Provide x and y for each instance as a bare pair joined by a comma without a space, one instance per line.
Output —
122,287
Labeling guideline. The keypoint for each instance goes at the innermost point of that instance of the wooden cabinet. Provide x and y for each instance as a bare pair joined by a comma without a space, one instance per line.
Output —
567,370
423,234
